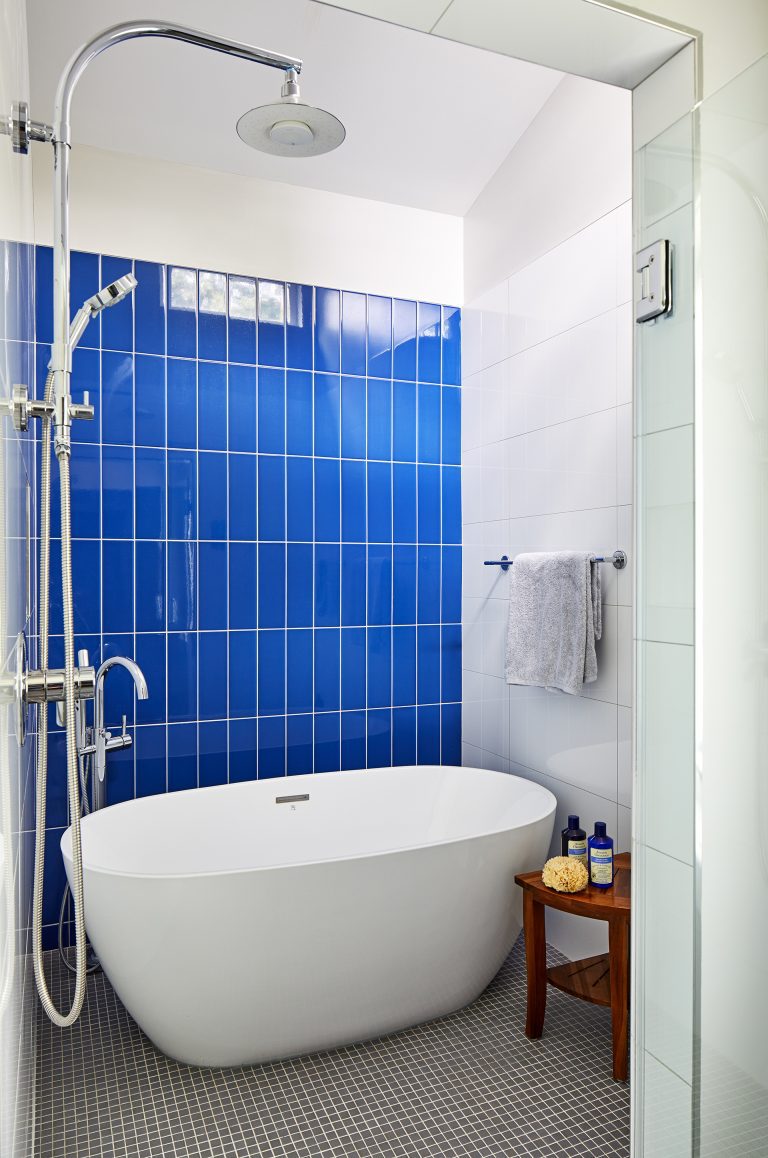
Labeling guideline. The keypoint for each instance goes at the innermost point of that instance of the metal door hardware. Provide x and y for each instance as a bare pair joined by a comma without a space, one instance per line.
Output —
654,264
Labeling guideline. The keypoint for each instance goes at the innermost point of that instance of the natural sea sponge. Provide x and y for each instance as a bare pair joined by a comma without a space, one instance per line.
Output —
565,874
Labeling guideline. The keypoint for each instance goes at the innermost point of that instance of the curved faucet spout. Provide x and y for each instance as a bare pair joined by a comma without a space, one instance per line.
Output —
137,675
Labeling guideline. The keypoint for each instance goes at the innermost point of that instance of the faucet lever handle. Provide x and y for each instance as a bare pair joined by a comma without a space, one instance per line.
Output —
125,727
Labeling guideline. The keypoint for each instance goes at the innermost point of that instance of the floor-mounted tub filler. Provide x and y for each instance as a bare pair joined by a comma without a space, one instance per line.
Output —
258,921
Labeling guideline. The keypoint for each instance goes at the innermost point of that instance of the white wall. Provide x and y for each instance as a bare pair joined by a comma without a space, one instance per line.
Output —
547,465
183,215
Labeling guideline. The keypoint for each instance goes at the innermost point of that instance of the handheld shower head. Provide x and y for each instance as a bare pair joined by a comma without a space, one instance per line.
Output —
110,295
290,128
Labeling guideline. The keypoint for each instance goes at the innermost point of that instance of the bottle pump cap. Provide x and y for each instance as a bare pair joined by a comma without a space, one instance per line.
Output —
573,822
599,828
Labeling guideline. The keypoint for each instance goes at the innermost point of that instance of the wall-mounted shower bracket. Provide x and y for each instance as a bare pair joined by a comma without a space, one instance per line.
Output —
655,294
46,686
18,126
20,408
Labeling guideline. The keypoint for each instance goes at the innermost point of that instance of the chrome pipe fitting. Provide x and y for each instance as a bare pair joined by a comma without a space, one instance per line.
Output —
48,686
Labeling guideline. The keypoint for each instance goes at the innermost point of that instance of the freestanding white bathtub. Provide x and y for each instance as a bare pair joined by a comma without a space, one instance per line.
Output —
239,925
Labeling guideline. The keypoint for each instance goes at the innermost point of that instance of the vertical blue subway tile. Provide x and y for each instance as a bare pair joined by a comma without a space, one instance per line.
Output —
298,407
353,417
451,431
429,327
353,584
150,493
44,294
181,314
86,569
116,322
300,499
212,585
327,415
450,593
428,665
299,668
212,406
353,667
182,494
243,750
327,746
271,584
182,757
150,585
213,754
271,669
327,501
300,583
271,747
116,397
242,673
150,656
428,585
327,584
327,327
379,584
241,322
151,771
242,408
429,504
54,878
117,491
182,676
379,337
404,569
379,666
450,735
212,479
212,657
212,316
327,675
298,329
403,736
242,586
353,740
450,651
242,493
85,484
271,336
404,666
379,502
182,403
428,735
379,419
149,307
353,332
451,504
182,586
86,375
404,502
299,756
150,400
404,340
271,498
84,282
451,338
404,421
379,754
353,502
271,411
429,423
117,585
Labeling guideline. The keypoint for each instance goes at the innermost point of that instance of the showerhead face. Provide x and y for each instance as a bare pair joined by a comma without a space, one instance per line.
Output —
290,128
113,293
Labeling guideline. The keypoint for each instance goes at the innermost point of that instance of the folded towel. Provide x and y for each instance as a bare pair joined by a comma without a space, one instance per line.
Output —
555,616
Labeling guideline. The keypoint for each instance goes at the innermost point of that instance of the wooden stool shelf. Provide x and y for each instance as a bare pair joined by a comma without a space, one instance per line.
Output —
604,979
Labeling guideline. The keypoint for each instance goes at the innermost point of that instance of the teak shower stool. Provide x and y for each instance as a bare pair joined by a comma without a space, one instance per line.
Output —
603,980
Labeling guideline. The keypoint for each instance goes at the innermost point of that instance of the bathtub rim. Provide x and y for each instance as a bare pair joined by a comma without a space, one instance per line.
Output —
66,838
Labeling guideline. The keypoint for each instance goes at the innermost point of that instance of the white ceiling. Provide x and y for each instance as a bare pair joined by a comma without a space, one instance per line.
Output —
428,121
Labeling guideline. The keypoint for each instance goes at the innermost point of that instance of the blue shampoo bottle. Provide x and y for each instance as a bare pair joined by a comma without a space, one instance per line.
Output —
600,857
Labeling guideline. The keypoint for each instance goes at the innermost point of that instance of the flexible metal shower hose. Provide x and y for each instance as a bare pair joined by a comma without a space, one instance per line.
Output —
73,785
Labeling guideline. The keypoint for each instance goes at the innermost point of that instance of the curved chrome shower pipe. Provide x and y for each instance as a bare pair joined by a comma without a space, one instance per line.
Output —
58,390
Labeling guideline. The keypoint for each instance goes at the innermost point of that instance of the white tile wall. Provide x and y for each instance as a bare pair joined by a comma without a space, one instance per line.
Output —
547,465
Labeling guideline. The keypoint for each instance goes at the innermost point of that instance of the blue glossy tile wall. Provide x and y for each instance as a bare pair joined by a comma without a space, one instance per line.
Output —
267,515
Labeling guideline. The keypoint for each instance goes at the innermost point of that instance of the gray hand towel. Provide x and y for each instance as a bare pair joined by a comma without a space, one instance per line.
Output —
555,616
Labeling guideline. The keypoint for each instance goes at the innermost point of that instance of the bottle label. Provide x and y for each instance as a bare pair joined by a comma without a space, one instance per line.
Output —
578,848
601,866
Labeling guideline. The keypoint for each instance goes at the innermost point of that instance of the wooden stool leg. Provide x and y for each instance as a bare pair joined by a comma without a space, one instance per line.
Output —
536,962
618,947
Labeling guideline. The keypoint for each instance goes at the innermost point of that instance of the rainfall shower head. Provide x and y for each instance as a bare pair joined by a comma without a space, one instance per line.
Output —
289,128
